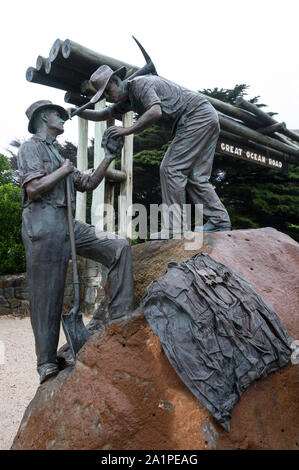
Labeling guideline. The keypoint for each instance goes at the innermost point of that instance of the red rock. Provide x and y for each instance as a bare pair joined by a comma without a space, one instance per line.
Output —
123,393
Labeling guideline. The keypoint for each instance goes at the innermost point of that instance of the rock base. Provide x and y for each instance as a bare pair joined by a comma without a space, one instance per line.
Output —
122,392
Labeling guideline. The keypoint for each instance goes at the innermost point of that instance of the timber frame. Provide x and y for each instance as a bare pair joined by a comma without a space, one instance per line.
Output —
246,132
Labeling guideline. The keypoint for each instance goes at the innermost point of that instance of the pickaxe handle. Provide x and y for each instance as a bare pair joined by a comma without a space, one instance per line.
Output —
82,108
147,69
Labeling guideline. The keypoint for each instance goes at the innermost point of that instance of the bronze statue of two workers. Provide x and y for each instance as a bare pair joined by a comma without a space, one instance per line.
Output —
186,167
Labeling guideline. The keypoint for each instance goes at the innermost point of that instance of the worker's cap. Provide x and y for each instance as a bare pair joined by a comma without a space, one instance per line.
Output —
38,106
101,77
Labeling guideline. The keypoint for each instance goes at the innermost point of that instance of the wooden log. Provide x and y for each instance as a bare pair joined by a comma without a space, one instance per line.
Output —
66,75
273,135
238,121
251,134
109,193
275,154
282,138
273,128
55,50
98,195
56,57
265,118
82,165
76,99
126,188
248,118
90,60
279,126
33,76
237,113
233,137
115,176
270,131
252,108
109,202
291,135
40,63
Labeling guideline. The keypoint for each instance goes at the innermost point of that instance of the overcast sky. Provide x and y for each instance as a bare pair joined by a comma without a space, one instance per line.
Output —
198,44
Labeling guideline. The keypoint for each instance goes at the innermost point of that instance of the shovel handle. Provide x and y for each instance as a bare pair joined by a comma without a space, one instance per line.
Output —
73,245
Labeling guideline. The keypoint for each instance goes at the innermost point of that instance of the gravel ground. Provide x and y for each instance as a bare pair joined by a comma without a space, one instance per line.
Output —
18,376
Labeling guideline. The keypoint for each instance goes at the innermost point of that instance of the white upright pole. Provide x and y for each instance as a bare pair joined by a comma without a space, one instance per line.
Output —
109,195
126,187
82,165
98,195
109,200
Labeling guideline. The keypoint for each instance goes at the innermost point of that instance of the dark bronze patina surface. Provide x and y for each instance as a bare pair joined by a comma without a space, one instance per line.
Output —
46,233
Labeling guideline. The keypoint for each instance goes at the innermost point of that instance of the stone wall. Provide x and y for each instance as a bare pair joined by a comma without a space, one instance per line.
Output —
14,296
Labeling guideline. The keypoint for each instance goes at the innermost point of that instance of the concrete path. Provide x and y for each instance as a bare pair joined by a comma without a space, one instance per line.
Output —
18,376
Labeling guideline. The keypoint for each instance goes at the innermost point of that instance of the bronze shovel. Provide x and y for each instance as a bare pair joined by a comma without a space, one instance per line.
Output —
74,329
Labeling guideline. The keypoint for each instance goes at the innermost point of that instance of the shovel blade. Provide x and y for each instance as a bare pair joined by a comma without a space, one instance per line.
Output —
75,331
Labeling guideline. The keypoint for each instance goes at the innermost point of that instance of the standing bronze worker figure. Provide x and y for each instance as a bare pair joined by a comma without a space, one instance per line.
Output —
187,164
46,236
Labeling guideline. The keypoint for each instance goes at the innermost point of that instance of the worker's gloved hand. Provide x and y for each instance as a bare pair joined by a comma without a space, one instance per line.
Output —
70,111
68,165
113,145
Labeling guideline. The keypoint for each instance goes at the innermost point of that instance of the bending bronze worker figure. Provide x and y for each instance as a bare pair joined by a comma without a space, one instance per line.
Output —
46,236
187,164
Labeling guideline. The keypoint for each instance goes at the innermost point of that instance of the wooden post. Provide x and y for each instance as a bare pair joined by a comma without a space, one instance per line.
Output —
98,195
82,165
109,200
126,188
109,195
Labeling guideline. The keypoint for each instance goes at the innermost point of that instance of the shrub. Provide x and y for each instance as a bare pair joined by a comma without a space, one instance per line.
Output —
12,253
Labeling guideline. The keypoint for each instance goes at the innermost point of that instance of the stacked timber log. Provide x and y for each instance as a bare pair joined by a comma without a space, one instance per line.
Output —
70,65
249,125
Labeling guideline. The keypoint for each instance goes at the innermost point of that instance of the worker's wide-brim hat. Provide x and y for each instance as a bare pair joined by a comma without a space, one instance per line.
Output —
100,78
38,106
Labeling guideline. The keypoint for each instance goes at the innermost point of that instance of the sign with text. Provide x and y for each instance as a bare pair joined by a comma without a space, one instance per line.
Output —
239,151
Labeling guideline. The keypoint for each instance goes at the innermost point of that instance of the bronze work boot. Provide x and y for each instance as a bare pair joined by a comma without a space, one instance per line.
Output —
48,371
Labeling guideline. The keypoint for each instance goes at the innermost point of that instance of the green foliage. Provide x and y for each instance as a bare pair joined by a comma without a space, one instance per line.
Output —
12,254
152,138
255,196
229,95
68,150
5,170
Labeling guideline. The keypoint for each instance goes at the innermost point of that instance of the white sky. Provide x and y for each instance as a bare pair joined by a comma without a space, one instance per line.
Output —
198,44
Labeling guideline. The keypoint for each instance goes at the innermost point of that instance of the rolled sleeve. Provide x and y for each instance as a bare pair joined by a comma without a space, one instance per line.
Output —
30,164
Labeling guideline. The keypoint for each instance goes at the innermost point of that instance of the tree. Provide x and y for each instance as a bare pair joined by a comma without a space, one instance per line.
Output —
12,253
255,196
229,95
5,170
